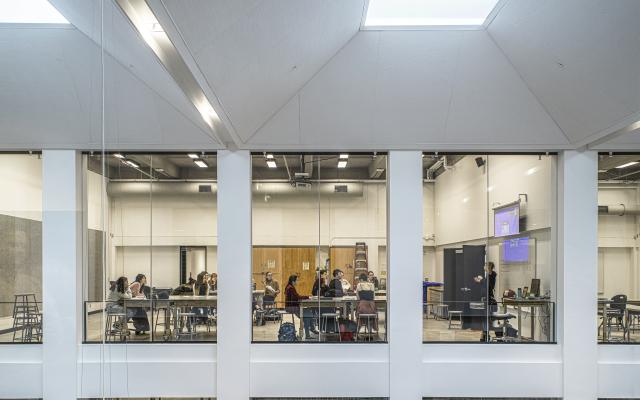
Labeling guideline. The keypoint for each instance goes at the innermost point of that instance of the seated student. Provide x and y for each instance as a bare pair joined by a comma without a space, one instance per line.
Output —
335,286
374,280
116,298
201,288
138,314
292,305
365,290
320,287
213,282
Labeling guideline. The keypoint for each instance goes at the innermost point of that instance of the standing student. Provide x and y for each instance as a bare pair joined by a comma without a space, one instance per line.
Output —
292,305
489,292
271,289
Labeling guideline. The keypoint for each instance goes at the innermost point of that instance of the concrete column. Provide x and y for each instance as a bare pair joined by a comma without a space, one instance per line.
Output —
234,275
405,274
578,272
61,271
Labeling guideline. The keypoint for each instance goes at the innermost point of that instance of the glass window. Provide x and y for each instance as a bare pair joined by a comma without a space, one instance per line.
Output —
399,13
319,247
618,278
489,254
151,247
21,248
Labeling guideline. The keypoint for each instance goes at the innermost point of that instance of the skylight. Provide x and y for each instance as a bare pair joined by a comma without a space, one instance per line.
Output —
29,12
422,13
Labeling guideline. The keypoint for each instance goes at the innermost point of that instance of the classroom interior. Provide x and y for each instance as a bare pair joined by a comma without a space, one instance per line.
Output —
155,214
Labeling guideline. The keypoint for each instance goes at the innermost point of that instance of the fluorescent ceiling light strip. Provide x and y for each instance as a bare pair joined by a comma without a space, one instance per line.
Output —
627,164
271,164
201,163
344,156
414,13
118,155
193,156
342,164
29,12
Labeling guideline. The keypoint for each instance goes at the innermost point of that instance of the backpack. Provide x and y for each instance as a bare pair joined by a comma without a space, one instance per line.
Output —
271,314
287,333
347,330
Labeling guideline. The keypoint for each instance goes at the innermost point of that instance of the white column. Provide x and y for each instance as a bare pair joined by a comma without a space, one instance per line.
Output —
405,274
578,272
234,275
61,271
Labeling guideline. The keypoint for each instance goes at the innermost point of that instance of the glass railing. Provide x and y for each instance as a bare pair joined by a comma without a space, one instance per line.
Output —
618,320
328,319
179,319
21,320
509,321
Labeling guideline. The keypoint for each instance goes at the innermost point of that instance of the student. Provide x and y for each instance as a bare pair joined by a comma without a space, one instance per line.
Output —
374,280
335,286
201,287
292,305
137,287
271,289
365,290
213,282
116,298
320,287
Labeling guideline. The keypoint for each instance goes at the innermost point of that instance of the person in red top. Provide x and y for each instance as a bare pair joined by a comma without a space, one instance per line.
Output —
292,305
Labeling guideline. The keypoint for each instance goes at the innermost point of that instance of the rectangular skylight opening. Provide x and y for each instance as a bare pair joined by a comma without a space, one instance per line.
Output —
425,13
29,12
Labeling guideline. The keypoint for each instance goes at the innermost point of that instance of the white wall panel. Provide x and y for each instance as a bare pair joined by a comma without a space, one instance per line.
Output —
21,186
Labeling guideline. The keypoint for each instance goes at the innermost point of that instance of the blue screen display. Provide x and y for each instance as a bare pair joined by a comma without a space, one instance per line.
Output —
515,250
507,221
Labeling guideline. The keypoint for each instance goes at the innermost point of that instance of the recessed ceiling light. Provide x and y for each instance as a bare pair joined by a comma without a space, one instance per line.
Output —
269,156
193,155
271,164
627,164
29,12
118,155
412,13
132,164
201,163
344,156
342,164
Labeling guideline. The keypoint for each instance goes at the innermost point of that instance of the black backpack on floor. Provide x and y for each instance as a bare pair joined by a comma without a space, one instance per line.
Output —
287,333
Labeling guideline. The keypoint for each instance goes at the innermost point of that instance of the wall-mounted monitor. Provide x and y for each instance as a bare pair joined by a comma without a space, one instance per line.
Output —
515,250
507,220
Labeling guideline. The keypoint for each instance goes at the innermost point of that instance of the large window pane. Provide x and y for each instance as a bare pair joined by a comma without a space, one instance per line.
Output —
319,223
618,277
152,223
21,248
489,256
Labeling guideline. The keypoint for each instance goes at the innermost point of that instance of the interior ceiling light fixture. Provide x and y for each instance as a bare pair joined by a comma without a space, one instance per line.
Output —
344,156
201,163
193,156
627,164
118,155
423,13
272,164
342,164
29,12
132,164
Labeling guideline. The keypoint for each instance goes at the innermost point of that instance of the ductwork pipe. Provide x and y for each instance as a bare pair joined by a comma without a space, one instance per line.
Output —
313,189
619,210
115,189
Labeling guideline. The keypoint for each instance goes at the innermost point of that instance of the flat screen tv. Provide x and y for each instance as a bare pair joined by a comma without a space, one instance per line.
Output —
507,220
515,250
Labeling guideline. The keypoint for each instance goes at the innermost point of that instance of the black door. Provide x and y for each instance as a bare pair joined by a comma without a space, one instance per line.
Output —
472,292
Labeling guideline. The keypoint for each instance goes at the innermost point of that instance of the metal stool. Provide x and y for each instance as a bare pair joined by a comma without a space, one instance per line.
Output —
115,327
281,315
324,321
25,308
368,331
441,311
186,319
457,314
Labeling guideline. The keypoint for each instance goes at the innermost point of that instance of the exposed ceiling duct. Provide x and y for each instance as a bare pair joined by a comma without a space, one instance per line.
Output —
116,189
314,189
619,210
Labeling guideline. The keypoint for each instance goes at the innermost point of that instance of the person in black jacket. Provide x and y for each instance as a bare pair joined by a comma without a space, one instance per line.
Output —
320,287
335,286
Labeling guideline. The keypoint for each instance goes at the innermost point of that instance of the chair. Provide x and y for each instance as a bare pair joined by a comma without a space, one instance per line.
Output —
370,320
458,315
324,322
115,326
633,322
615,311
188,320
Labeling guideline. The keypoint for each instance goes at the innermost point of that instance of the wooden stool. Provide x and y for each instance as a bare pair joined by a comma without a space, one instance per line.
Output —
457,314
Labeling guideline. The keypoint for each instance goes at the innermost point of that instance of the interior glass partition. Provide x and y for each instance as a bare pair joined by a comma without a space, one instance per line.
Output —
489,248
151,247
319,248
618,277
21,248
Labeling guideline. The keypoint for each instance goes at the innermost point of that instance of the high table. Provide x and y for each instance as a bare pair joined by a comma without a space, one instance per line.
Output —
532,304
337,302
171,305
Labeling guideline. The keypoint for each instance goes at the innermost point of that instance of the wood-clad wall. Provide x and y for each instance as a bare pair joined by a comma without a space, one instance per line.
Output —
342,258
283,262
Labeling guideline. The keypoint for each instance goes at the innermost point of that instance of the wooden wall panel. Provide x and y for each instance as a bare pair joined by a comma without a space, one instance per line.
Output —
263,259
301,261
342,258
